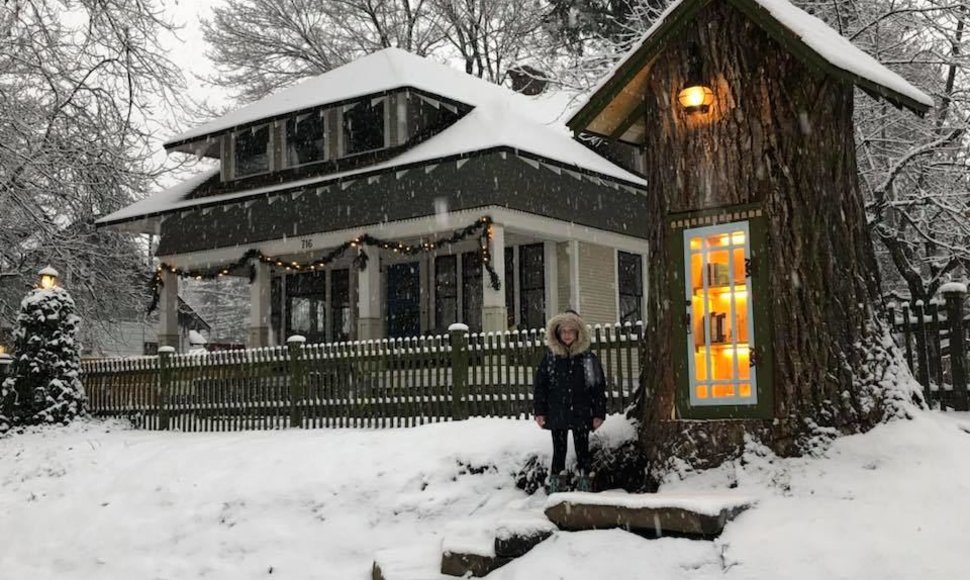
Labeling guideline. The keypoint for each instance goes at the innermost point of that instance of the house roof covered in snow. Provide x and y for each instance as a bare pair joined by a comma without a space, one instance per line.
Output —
805,36
378,73
500,120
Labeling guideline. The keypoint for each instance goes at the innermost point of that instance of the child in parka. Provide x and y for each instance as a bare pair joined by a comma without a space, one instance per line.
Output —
570,393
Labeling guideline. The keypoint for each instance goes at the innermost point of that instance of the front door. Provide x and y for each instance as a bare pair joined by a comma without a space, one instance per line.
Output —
403,300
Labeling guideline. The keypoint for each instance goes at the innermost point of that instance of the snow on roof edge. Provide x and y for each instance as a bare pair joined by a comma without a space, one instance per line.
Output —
781,5
162,202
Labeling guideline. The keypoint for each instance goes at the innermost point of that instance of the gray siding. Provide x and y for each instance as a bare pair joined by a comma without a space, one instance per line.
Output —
482,181
597,283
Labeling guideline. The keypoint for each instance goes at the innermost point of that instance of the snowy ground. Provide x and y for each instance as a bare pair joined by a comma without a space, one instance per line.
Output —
100,501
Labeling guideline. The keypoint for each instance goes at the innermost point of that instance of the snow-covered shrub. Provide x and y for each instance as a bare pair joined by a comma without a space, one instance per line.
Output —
618,461
44,384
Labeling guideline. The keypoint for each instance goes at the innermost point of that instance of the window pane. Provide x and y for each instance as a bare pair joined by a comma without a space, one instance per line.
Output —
532,288
472,293
305,139
300,315
720,312
510,286
340,304
364,128
446,292
252,151
630,277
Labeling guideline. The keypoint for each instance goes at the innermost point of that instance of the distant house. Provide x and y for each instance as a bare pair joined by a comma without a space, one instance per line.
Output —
136,334
359,199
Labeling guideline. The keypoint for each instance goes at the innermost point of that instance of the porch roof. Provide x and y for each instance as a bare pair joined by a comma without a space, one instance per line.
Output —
484,130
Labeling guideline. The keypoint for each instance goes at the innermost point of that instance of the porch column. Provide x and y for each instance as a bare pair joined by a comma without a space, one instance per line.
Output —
494,313
168,311
259,306
369,324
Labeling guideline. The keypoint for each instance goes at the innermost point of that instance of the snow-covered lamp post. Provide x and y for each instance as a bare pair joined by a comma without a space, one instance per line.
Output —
47,278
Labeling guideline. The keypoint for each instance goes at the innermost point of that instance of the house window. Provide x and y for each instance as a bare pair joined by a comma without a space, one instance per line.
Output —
532,286
364,127
720,336
306,139
630,279
251,147
509,283
306,306
446,292
340,305
471,290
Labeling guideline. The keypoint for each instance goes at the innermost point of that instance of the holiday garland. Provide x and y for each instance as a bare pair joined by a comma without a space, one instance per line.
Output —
482,226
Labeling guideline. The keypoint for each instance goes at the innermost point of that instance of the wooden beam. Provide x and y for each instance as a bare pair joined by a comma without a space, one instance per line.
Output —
633,117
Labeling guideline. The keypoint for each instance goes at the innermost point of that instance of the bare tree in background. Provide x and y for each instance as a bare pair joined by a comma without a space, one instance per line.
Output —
914,171
492,35
81,85
260,46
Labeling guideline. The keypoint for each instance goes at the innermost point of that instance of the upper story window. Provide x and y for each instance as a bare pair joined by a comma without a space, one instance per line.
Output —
363,126
306,139
251,147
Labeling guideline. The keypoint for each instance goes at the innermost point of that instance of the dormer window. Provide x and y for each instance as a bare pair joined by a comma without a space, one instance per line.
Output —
251,151
306,139
363,126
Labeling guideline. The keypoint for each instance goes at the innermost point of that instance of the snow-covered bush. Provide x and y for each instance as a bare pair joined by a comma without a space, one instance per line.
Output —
44,384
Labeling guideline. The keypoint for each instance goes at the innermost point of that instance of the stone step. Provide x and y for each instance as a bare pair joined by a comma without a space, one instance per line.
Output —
417,562
477,551
701,515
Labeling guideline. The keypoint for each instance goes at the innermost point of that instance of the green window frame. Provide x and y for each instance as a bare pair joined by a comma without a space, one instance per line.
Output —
759,402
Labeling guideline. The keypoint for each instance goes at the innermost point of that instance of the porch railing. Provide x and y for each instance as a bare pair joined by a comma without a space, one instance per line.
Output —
377,384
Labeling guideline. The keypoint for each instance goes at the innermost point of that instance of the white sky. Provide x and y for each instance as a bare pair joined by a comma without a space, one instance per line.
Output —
188,49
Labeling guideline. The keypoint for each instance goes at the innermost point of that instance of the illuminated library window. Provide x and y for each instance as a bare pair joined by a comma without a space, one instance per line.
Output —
720,326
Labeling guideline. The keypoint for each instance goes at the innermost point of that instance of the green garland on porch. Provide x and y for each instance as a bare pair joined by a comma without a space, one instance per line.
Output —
481,226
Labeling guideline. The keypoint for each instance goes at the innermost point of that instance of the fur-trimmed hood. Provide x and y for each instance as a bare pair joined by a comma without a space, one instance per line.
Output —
552,337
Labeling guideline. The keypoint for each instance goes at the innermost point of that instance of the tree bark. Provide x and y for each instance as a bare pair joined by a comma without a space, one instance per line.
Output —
779,135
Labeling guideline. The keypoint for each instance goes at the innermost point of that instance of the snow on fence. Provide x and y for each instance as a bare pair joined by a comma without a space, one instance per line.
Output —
933,337
377,384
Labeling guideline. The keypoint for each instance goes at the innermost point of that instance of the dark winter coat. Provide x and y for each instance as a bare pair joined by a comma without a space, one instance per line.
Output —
570,388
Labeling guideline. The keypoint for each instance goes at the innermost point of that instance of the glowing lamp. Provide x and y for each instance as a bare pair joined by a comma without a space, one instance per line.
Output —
696,99
48,278
696,96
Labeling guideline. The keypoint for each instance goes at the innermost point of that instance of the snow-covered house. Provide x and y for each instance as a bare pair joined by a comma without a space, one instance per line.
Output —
394,196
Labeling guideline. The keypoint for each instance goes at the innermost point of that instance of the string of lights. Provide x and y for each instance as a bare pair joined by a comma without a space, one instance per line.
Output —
481,226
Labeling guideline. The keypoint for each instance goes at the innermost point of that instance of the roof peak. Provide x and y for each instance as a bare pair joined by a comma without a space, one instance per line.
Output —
799,32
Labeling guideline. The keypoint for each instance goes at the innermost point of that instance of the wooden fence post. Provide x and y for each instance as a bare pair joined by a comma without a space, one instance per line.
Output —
955,294
458,333
922,348
297,376
165,354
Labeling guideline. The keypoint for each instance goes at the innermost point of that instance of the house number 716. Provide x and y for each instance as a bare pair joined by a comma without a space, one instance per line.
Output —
306,244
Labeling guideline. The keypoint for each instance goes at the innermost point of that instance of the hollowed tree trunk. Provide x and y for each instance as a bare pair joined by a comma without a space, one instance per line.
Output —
779,135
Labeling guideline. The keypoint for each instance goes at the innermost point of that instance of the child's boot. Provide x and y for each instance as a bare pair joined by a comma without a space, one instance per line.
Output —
555,484
584,483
